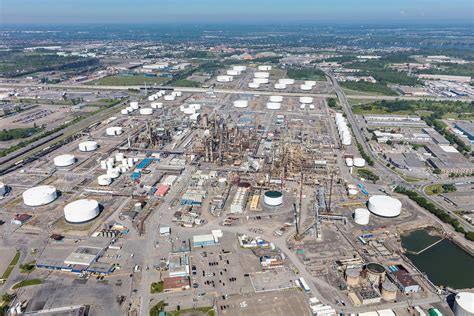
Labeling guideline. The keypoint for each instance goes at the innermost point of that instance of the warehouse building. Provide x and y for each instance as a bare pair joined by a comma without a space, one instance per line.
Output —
467,128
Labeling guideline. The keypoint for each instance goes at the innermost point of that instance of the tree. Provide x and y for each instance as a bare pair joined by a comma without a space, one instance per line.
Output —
437,171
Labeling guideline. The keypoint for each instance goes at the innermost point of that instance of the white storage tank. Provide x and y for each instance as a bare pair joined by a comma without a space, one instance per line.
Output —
261,74
170,97
273,105
3,189
119,156
64,160
103,164
280,86
361,216
273,198
384,206
306,100
464,304
189,111
239,68
113,131
146,111
129,109
233,72
81,211
359,162
352,192
156,105
134,105
113,173
264,68
349,162
276,98
305,87
254,85
124,111
195,106
286,81
225,78
40,195
241,103
104,180
88,146
310,83
177,93
260,80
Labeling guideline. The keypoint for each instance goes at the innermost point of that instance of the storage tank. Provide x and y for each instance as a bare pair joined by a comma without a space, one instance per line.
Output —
310,83
64,160
81,211
88,146
273,105
349,162
361,216
146,111
276,98
352,277
254,85
104,180
273,198
129,109
124,111
113,173
189,111
352,193
40,195
225,78
103,164
280,86
134,105
260,80
264,68
169,97
239,68
261,74
195,106
114,130
302,106
375,272
241,103
119,156
3,189
384,206
305,87
389,291
359,162
464,304
233,72
156,105
177,93
306,100
286,81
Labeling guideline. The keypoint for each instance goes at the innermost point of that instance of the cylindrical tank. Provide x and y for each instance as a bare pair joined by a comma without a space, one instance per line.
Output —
233,72
225,78
134,105
189,111
40,195
286,81
359,162
104,180
114,130
361,216
177,93
156,105
124,111
170,97
352,277
129,109
464,304
146,111
254,85
239,68
389,291
113,173
3,189
310,83
260,80
375,272
88,146
273,198
280,86
261,74
276,98
241,103
119,156
138,207
306,100
384,206
195,106
103,164
273,105
264,68
64,160
352,193
305,87
349,162
81,211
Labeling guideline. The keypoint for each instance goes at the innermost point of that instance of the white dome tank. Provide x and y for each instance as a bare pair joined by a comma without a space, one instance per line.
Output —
261,74
273,105
306,100
464,304
305,87
146,111
384,206
280,86
225,78
359,162
254,85
81,211
113,131
276,98
361,216
273,198
40,195
170,97
104,180
286,81
134,105
88,146
241,103
64,160
260,80
264,68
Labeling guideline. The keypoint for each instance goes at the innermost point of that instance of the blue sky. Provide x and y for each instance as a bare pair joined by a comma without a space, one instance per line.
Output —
212,11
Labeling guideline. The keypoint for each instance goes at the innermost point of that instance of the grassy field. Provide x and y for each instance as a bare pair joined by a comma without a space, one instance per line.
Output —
209,311
186,83
11,266
366,88
156,287
306,74
129,81
29,282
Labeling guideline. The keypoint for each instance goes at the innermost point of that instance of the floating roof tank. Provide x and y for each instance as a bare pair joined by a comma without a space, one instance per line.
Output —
273,198
276,98
305,87
384,206
40,195
464,304
273,105
104,180
389,291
